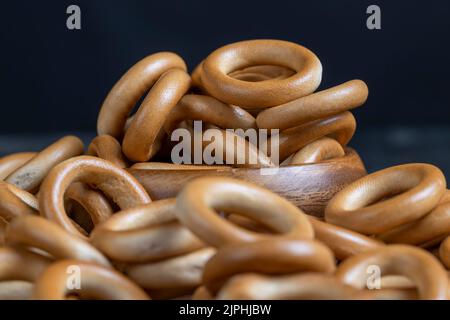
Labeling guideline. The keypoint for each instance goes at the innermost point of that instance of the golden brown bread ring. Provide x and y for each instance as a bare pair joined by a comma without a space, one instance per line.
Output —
10,163
17,264
318,105
262,73
15,202
115,182
303,286
210,110
96,282
93,201
201,293
340,127
198,199
444,254
217,66
271,256
107,148
420,266
343,242
434,226
122,236
139,143
317,151
3,227
178,272
415,189
39,233
130,88
29,176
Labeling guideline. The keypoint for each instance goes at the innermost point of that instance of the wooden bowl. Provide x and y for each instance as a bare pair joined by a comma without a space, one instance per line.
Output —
308,186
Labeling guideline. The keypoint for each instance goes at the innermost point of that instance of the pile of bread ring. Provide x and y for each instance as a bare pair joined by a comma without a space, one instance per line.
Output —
76,225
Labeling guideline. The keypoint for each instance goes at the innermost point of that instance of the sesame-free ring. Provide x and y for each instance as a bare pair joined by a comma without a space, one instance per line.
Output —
444,253
18,264
95,282
37,232
271,256
29,176
219,64
115,182
107,148
420,266
318,105
122,236
317,151
197,201
15,202
12,162
414,190
211,110
130,88
139,141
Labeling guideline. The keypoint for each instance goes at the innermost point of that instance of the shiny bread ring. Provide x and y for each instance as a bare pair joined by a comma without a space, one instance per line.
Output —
139,143
318,105
414,190
218,65
197,201
15,202
130,88
317,151
96,282
271,256
444,253
210,110
29,176
115,182
12,162
144,233
17,264
420,266
37,232
107,148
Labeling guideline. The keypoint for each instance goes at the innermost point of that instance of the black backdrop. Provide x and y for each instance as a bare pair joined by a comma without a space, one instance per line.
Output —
53,79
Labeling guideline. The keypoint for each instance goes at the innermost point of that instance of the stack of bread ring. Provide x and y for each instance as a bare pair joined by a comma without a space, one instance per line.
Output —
76,224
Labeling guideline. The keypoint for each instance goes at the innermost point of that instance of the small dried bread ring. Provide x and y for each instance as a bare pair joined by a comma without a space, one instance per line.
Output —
115,182
317,151
183,271
414,190
37,232
340,127
122,236
444,253
17,264
15,202
12,162
95,282
107,148
197,201
139,141
219,64
318,105
272,256
307,286
343,242
130,88
210,110
420,266
29,176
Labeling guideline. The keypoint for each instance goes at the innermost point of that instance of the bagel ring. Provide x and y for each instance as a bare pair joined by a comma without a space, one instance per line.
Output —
96,282
139,143
122,236
198,199
271,256
37,232
115,182
12,162
130,88
29,176
421,267
218,65
108,148
318,151
15,202
444,253
415,189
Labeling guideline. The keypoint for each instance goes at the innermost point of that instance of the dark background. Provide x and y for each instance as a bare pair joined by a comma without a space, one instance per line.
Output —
54,80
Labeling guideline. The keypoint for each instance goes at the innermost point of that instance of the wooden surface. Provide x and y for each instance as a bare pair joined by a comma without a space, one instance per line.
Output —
307,186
